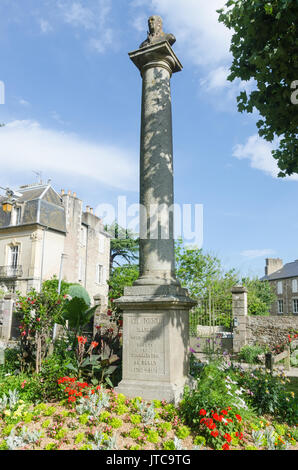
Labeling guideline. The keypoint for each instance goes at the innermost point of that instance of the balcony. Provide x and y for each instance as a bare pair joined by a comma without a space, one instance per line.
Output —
10,272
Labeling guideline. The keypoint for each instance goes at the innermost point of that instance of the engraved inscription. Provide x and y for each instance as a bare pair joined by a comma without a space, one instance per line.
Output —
146,346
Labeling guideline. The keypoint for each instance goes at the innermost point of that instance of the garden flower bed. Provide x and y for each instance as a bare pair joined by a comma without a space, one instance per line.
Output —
92,418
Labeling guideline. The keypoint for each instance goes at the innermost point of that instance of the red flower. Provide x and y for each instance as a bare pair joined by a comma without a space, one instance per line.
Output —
214,433
239,434
238,417
82,339
227,437
109,312
224,412
226,447
215,417
203,412
94,344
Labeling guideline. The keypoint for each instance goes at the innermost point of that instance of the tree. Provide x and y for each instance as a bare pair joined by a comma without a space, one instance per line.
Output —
264,48
124,245
195,270
260,296
122,276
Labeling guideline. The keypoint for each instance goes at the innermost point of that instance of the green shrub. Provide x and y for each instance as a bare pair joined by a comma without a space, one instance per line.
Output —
51,446
135,419
169,445
80,437
183,432
250,353
116,423
268,394
200,441
135,433
75,290
84,418
152,436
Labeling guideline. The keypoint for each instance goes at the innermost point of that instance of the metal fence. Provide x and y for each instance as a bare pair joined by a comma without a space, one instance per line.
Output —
211,323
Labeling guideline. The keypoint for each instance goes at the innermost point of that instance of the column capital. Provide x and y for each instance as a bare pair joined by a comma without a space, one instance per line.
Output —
238,290
156,55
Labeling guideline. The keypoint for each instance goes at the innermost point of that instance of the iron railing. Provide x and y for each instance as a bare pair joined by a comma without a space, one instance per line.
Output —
7,272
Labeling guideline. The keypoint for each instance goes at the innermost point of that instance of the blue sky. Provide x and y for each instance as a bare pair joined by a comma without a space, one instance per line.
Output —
72,111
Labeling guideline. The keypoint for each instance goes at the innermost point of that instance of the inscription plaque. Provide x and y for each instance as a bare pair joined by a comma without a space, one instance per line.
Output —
146,353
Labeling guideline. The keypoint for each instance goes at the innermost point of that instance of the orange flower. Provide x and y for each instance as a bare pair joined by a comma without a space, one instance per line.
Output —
82,339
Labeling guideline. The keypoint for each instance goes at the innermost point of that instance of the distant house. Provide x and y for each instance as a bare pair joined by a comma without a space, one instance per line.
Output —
284,279
47,231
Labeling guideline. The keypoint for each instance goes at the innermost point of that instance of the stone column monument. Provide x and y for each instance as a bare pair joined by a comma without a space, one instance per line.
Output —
156,308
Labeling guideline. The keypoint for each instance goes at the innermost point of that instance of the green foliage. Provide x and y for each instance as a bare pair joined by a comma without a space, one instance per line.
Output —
29,387
124,245
116,423
264,48
120,277
75,290
200,441
78,314
135,433
196,270
268,394
183,432
260,296
135,419
250,354
169,445
152,436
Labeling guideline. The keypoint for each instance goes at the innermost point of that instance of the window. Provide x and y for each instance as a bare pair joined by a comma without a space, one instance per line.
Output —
279,287
99,274
101,244
280,306
18,215
13,256
295,306
294,285
83,236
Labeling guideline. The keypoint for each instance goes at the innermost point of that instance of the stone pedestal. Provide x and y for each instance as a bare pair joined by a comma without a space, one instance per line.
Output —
156,308
155,342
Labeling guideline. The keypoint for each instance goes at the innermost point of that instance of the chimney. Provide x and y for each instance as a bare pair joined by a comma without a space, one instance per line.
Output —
69,192
87,208
62,192
273,265
91,210
74,194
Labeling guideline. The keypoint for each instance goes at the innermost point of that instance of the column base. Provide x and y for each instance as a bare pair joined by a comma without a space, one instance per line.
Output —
155,342
150,390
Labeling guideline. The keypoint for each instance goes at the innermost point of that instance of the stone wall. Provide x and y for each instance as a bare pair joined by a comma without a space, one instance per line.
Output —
271,330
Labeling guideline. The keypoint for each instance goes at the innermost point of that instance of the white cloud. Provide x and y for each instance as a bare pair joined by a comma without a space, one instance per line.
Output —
93,18
26,145
23,102
257,253
258,152
195,24
45,26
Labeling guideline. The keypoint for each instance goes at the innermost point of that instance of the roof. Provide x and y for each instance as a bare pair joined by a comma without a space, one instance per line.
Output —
288,270
40,204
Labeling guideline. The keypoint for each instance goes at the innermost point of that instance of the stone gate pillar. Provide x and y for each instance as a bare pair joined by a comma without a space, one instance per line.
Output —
156,308
239,311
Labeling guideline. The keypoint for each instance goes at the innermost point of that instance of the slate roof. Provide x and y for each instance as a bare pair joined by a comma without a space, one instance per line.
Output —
288,270
41,204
